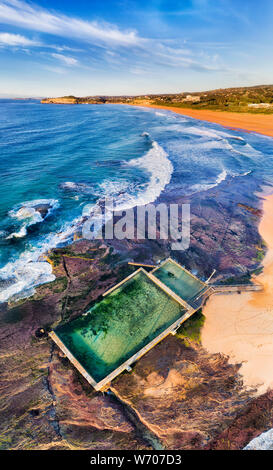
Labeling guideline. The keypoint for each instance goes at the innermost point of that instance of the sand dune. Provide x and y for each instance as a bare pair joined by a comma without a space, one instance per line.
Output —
241,325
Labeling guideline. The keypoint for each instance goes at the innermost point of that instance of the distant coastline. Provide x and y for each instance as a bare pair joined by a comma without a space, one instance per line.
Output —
260,123
244,108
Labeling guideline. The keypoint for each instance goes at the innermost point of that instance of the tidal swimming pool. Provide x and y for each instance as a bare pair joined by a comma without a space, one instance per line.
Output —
119,326
179,280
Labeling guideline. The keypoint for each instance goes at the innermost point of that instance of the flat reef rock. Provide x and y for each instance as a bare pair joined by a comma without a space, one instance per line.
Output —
87,419
184,395
191,399
177,396
45,404
252,420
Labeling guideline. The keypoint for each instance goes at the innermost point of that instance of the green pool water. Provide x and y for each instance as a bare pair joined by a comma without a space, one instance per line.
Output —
120,325
179,281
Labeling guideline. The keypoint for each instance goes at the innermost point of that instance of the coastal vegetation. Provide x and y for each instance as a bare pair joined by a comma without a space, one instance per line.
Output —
257,99
191,329
254,99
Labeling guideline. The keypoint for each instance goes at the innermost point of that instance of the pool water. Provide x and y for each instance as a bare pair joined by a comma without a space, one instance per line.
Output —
120,325
179,280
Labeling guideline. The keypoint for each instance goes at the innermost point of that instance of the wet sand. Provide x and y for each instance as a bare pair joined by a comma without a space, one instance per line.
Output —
261,123
241,325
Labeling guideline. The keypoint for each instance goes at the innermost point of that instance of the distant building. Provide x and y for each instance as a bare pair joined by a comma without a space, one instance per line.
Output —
260,105
192,99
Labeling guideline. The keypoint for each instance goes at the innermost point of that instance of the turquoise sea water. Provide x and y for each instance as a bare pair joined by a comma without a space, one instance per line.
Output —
55,159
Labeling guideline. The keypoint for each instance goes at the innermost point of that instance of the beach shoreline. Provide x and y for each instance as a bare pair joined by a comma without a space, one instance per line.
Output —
241,325
258,123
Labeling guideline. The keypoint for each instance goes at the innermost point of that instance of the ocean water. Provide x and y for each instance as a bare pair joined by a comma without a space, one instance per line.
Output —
56,159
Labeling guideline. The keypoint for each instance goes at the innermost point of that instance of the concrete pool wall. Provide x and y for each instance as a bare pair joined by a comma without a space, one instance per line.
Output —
182,307
200,289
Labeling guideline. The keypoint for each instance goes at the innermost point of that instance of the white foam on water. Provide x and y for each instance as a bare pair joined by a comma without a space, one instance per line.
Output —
114,187
207,133
247,150
126,195
157,113
223,143
236,137
30,269
24,213
198,131
29,209
169,115
217,139
24,275
157,164
20,234
196,188
76,187
28,213
245,173
69,185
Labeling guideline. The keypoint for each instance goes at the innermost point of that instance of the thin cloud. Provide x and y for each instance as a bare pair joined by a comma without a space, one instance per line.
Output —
208,10
9,39
104,38
138,71
178,57
31,16
54,70
18,40
65,59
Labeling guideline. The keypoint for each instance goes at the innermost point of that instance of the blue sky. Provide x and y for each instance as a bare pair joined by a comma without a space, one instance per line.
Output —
52,48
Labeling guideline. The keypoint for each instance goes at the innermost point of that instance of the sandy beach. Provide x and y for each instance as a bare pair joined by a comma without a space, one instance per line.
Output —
241,325
261,123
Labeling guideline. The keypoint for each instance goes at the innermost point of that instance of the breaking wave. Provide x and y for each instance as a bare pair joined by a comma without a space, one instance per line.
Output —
19,278
156,164
86,165
196,188
31,213
159,168
127,195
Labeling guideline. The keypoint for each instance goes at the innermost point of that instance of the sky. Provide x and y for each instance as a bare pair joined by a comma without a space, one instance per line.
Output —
116,47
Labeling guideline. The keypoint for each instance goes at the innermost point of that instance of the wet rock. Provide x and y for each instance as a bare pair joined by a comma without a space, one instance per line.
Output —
253,418
185,397
183,394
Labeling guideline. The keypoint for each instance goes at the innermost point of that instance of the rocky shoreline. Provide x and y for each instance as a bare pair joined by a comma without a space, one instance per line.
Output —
183,396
